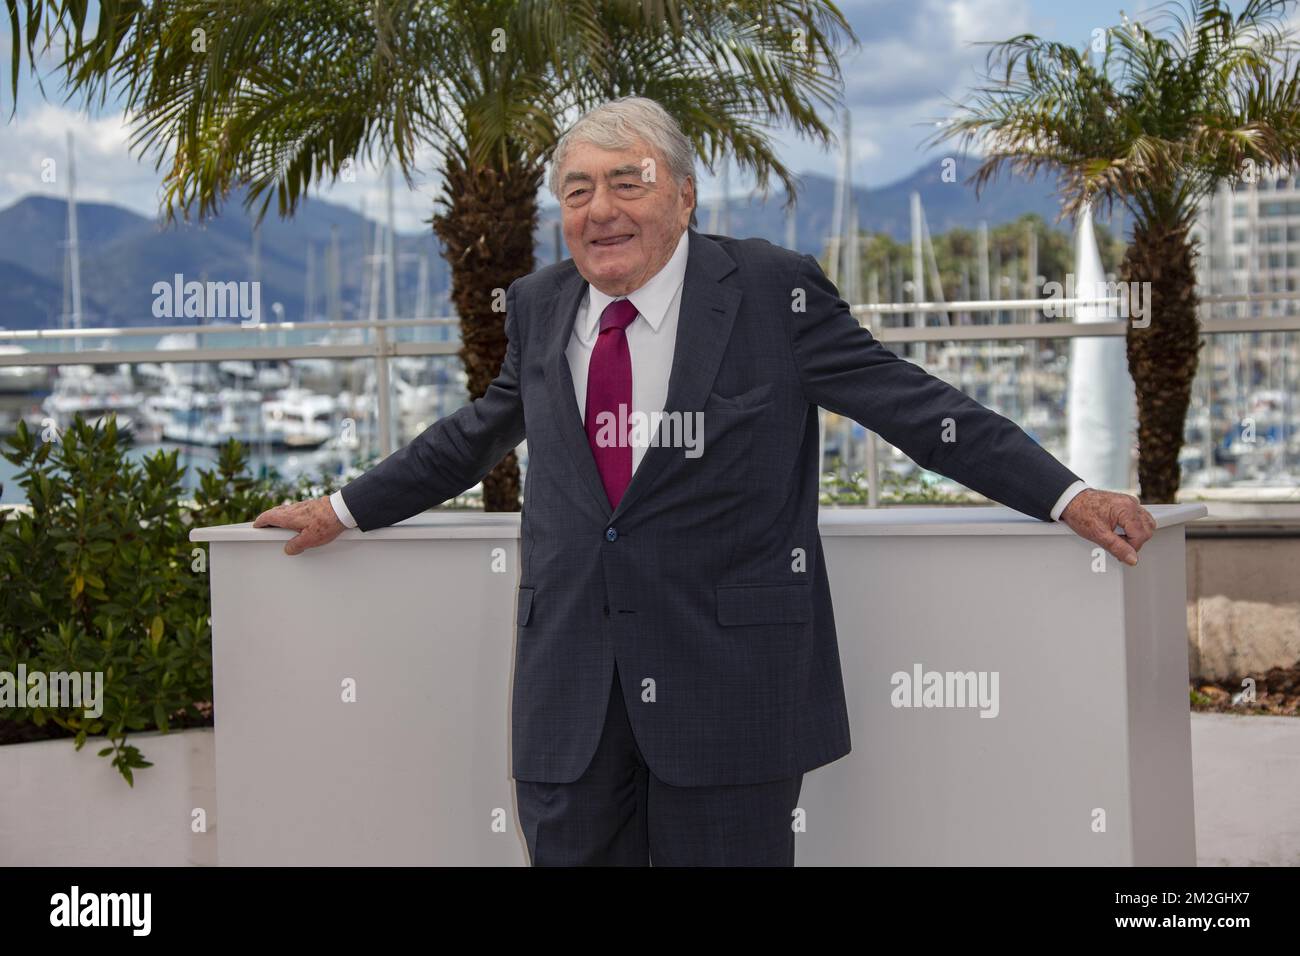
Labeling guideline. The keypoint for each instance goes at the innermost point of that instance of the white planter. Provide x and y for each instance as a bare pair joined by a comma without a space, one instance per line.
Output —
1088,761
63,807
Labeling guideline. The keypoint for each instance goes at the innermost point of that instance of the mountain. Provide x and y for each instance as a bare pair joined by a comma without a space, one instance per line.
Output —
33,230
949,202
27,300
123,254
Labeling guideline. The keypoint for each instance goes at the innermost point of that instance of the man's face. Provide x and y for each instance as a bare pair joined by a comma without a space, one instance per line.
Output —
623,214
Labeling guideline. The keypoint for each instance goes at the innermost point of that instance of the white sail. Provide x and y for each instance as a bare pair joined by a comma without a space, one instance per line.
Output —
1100,407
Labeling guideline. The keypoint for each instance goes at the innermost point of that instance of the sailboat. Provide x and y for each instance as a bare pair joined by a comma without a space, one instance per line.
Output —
94,392
299,418
191,416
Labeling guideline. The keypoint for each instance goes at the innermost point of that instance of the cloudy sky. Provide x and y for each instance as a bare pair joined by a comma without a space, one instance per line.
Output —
915,56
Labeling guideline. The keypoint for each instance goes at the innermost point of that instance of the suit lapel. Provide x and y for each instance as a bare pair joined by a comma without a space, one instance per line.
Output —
708,311
559,385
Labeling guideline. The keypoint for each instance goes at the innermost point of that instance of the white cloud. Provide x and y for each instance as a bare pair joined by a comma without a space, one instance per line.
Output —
978,20
107,171
913,57
35,146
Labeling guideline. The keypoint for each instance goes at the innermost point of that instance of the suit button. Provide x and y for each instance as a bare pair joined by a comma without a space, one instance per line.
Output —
611,535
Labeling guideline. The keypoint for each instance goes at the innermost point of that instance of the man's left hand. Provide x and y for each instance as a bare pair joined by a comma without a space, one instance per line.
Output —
1095,514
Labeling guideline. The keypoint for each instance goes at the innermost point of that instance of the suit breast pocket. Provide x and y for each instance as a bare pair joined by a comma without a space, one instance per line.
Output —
753,398
748,604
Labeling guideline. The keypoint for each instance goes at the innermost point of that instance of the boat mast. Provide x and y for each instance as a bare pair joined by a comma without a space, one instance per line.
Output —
74,251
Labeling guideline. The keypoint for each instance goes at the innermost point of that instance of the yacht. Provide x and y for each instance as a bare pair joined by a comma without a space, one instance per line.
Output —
163,375
94,392
196,417
265,375
299,418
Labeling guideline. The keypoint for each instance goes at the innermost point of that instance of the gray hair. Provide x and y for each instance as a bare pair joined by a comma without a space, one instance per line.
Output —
619,124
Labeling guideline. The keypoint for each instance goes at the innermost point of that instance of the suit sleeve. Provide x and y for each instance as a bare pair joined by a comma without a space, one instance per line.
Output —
450,455
844,369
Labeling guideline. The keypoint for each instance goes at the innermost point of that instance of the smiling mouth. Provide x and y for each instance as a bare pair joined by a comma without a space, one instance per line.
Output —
611,241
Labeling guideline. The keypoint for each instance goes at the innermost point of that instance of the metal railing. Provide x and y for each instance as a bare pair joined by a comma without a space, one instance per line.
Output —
379,346
1060,330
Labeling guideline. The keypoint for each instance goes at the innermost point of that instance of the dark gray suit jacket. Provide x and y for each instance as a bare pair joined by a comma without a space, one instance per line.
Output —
692,584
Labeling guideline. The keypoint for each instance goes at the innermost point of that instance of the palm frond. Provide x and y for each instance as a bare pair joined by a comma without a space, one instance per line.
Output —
1174,105
278,94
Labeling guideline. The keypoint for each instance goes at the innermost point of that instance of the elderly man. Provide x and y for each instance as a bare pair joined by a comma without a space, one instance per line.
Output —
676,667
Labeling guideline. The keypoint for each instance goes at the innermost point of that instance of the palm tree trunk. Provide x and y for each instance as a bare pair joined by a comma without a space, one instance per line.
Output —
1162,357
488,234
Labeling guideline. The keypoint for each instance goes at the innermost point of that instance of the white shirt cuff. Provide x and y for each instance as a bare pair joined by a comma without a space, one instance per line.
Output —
1066,497
341,509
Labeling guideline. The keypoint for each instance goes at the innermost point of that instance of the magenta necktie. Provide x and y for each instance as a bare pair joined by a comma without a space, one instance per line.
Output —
609,385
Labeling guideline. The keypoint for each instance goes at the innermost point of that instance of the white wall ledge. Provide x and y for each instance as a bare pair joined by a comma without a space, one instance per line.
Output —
890,521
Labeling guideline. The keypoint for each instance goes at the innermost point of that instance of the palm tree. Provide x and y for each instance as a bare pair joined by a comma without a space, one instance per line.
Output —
278,95
1168,111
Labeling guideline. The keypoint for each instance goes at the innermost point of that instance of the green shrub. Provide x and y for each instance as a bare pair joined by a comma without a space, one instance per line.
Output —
100,576
913,489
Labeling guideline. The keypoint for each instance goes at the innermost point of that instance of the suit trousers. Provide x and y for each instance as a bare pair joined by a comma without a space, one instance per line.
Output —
618,813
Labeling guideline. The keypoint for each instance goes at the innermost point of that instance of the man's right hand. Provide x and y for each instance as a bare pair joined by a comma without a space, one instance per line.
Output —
314,520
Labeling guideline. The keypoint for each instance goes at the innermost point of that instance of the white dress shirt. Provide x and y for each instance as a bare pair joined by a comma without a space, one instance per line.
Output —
651,340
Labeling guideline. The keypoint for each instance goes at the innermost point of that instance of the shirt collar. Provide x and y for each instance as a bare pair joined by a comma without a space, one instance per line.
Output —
651,300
